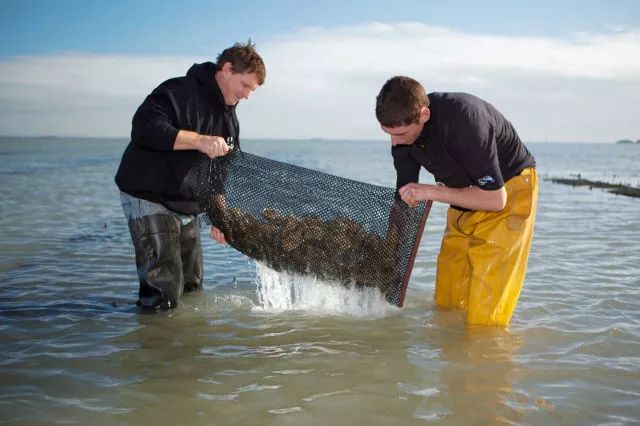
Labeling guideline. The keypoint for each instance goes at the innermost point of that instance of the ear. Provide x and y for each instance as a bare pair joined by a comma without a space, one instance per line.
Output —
227,68
425,115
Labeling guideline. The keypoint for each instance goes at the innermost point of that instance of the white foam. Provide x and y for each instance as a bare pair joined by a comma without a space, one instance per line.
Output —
283,291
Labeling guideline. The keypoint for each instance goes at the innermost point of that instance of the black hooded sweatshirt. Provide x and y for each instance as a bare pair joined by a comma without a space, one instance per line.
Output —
150,169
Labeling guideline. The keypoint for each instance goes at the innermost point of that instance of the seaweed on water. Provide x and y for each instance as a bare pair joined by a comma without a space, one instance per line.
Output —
614,188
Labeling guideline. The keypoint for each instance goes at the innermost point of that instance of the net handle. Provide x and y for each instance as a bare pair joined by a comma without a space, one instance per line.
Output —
414,252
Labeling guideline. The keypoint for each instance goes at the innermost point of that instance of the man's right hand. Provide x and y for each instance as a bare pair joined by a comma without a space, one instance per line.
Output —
213,146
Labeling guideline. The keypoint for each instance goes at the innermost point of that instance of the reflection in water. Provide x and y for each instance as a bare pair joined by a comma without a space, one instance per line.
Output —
475,372
164,356
194,365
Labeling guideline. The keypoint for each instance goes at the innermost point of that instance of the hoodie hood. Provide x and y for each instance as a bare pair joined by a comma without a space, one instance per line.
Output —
205,74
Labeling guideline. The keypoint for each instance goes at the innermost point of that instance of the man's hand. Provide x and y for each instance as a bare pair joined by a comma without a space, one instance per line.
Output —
218,236
413,193
213,146
470,197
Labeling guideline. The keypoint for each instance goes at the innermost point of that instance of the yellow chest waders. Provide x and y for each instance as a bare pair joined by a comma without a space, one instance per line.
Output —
483,257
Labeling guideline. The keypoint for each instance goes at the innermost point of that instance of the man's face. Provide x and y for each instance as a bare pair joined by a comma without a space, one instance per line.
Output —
403,135
407,134
236,86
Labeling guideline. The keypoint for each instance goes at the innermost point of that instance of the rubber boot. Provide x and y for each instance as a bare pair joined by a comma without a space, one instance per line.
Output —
191,253
156,240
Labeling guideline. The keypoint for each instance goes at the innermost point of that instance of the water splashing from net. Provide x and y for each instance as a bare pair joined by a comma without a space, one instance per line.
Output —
283,291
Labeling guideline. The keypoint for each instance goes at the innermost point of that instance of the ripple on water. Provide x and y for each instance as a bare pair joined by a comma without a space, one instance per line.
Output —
256,344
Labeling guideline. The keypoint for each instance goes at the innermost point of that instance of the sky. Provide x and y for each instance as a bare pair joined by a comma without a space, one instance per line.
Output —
565,71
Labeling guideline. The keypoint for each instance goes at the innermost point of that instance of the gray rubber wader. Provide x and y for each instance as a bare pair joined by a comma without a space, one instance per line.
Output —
156,240
191,253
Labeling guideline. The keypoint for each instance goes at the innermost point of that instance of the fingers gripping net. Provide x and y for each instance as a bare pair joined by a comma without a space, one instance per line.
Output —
312,223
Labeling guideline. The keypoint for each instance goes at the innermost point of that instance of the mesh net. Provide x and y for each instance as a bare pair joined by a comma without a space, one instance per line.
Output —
312,223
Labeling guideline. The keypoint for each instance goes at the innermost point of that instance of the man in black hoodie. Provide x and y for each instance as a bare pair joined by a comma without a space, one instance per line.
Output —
180,122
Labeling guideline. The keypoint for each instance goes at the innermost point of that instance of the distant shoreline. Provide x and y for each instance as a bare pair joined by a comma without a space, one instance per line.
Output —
308,139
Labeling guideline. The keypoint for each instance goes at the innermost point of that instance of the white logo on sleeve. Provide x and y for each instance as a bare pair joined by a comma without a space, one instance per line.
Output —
485,180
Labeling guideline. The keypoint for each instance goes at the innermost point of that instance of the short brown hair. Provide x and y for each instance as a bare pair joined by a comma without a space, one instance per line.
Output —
243,59
400,101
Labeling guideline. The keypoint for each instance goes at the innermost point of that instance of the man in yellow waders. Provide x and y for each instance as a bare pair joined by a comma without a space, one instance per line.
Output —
486,175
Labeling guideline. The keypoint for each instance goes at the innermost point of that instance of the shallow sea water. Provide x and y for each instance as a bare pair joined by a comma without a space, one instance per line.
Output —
256,347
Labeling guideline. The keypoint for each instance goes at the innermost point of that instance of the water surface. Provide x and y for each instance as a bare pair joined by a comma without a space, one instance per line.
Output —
261,348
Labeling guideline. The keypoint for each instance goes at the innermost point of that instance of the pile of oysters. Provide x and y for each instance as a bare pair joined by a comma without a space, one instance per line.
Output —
338,249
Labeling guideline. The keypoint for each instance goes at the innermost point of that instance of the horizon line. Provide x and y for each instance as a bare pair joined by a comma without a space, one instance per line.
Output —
271,138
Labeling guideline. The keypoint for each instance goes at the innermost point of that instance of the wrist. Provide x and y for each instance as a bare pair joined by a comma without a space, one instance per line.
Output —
186,140
199,142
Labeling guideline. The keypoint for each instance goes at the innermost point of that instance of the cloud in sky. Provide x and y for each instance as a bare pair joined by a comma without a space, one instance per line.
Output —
322,82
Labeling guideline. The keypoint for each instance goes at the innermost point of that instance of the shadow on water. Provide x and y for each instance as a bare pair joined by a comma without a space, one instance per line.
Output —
101,235
88,307
99,229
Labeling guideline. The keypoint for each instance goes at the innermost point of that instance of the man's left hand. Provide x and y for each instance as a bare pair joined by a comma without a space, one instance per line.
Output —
414,193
